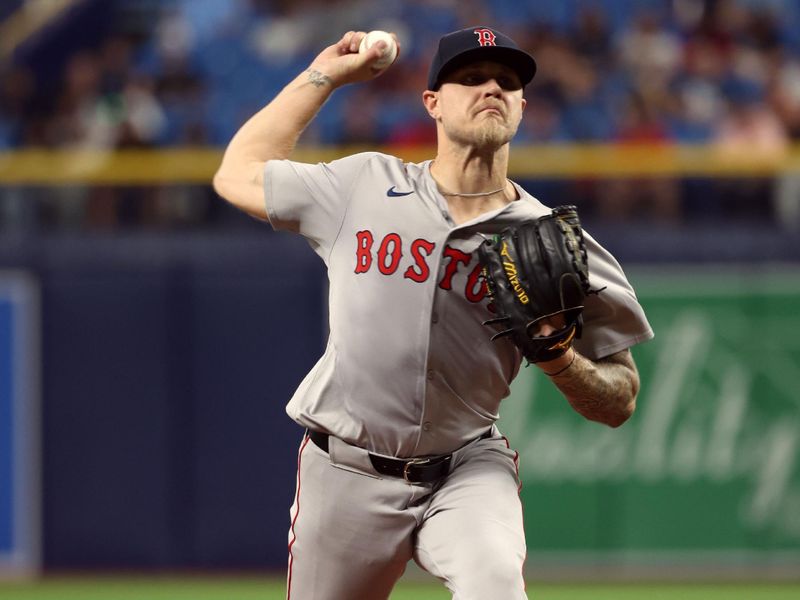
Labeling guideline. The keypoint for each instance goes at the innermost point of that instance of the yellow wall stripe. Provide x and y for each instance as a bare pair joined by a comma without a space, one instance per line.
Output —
197,165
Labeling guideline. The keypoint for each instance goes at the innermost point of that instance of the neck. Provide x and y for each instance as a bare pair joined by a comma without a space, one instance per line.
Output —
473,184
467,173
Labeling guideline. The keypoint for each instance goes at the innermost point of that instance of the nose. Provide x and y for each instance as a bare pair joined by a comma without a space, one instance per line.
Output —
493,88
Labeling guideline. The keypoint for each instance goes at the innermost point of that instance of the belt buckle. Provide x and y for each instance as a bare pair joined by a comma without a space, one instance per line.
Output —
411,463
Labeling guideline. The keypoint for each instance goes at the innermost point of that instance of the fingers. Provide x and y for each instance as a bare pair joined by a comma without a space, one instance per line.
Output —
551,325
351,41
545,329
344,45
343,64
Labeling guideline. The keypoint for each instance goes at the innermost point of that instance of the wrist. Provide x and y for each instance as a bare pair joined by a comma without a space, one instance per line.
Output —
560,365
317,76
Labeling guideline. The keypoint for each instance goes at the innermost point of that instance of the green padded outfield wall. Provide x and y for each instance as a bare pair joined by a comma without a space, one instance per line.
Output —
709,465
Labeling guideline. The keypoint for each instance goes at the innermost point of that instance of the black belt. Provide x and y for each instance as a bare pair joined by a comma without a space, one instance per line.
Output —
413,470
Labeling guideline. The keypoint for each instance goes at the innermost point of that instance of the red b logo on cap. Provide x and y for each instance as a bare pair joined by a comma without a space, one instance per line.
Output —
486,37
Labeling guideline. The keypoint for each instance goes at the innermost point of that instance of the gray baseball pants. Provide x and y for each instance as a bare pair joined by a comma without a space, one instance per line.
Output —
353,531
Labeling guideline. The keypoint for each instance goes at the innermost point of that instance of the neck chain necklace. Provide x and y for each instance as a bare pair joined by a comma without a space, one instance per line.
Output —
475,195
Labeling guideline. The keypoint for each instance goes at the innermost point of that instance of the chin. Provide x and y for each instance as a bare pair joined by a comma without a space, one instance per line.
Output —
493,137
489,135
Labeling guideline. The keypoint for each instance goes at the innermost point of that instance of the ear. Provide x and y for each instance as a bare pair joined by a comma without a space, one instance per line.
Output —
431,101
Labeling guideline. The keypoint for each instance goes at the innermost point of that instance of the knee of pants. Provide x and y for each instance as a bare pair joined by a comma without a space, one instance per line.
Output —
490,574
491,581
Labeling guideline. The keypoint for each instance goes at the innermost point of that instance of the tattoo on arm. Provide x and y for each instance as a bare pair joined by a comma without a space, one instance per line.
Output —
603,390
317,79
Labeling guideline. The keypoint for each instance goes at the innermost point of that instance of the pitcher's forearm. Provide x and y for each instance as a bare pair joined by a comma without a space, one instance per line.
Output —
604,390
272,133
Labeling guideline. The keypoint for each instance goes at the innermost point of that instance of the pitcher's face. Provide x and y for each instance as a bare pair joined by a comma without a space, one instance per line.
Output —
478,105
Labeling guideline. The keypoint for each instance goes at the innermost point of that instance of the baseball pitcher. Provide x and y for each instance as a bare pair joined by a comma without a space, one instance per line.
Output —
445,277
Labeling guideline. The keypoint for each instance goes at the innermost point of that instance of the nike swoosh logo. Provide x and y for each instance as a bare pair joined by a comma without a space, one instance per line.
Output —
393,193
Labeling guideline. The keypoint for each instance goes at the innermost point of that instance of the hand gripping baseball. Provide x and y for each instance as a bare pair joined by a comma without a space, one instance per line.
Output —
537,273
342,62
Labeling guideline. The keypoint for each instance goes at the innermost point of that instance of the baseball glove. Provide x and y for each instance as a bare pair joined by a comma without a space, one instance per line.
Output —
535,271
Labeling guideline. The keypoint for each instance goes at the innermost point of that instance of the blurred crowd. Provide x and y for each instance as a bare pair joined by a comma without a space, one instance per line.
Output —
188,72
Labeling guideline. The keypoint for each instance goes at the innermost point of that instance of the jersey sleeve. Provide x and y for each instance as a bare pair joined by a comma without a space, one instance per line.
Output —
311,199
613,319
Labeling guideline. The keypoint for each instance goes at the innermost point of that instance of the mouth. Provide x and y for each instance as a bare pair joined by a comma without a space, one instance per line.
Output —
491,110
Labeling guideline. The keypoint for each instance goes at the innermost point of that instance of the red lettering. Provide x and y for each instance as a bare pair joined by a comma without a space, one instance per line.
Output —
390,254
422,270
394,255
455,256
486,37
476,289
364,240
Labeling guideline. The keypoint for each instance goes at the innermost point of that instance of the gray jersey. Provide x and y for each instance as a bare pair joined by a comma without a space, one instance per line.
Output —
409,369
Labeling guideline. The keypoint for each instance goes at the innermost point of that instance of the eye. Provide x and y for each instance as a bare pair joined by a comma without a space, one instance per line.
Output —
508,83
473,79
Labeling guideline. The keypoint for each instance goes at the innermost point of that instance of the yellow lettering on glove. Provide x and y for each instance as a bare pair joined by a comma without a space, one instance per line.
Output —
511,272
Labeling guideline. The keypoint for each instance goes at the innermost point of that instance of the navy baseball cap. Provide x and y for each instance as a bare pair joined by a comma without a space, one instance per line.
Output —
474,44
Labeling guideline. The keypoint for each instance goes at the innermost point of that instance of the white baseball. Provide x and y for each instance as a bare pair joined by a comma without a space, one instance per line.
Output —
389,53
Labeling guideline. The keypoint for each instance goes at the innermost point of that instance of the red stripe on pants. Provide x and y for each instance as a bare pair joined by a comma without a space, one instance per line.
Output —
296,514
